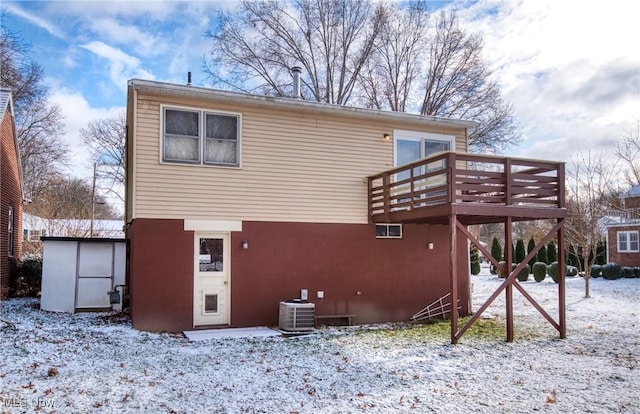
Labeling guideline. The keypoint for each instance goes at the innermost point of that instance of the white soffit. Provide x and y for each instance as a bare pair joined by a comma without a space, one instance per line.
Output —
212,225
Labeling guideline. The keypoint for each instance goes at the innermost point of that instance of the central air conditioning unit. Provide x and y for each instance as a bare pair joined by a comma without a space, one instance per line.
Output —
297,316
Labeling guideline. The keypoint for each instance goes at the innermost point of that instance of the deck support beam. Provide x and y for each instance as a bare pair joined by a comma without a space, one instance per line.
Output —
453,259
508,249
510,281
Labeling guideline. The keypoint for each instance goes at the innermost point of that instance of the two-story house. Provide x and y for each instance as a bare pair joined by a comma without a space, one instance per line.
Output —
235,202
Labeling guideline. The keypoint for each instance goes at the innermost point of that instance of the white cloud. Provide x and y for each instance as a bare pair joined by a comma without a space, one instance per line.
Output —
78,113
142,43
568,67
122,66
12,8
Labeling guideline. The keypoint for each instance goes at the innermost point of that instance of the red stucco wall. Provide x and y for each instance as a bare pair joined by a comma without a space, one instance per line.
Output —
10,196
395,278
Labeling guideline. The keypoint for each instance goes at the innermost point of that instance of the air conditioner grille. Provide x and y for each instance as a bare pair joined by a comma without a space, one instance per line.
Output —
297,316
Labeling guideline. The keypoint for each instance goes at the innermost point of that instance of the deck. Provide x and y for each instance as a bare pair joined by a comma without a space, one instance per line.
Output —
461,189
476,188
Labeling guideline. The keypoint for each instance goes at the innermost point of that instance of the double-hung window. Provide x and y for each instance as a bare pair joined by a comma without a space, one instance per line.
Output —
200,137
628,242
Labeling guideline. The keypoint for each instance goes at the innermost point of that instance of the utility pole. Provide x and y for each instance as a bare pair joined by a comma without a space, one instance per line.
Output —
93,200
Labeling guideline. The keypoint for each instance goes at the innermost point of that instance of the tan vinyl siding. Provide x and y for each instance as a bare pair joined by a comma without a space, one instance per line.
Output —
295,166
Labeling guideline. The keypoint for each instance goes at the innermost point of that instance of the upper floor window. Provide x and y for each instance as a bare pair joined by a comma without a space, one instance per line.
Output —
200,137
628,242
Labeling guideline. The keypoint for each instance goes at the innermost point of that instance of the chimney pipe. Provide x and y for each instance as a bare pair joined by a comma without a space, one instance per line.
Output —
188,78
296,71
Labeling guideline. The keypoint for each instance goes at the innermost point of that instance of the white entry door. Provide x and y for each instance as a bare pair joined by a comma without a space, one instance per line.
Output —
212,271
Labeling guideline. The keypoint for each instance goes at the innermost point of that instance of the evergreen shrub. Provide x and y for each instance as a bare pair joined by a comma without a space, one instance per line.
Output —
523,276
627,272
539,271
612,271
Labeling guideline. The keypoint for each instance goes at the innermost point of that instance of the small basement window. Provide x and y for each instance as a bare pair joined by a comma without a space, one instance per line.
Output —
388,231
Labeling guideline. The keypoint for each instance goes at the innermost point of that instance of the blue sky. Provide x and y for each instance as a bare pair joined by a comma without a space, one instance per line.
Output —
571,69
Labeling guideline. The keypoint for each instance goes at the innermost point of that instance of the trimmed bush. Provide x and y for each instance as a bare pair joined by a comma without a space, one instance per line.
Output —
627,272
596,270
636,271
539,271
523,276
553,271
611,271
572,271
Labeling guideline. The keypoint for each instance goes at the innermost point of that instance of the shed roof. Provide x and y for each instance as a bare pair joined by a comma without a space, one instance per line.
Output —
290,103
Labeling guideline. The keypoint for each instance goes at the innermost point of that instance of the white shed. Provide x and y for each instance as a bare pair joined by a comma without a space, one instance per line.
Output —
80,273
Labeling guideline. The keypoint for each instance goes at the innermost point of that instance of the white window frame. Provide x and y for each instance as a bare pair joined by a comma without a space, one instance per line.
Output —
202,113
388,225
624,241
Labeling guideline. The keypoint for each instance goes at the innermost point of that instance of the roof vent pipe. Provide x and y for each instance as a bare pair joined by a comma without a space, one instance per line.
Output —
188,78
296,71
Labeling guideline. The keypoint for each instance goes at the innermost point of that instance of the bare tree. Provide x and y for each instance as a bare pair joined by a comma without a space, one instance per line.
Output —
69,198
457,84
589,196
382,55
39,124
257,45
106,141
628,151
390,76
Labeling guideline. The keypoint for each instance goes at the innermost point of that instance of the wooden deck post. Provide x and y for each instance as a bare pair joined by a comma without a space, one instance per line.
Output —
508,243
562,315
453,260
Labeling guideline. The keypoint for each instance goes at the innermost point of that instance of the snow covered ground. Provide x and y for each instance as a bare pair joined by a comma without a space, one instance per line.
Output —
88,363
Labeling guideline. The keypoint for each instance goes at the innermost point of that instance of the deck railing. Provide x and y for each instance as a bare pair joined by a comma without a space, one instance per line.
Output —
453,177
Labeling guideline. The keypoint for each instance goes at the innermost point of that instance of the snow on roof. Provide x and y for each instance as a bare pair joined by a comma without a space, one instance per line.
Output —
633,192
96,362
5,100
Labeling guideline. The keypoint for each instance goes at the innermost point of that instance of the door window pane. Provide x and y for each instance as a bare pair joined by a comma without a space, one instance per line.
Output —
211,255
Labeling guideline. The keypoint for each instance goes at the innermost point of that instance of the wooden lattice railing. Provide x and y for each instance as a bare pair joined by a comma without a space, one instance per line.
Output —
453,177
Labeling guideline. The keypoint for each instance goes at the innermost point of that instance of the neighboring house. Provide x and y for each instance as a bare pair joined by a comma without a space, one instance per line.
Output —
236,202
11,193
34,228
623,231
